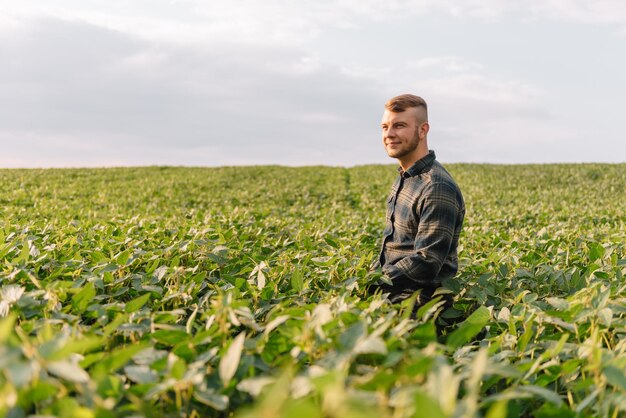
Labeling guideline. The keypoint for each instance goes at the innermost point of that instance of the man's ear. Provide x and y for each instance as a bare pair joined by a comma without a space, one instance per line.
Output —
423,129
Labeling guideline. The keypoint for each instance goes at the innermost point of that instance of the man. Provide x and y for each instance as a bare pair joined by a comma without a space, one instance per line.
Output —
425,209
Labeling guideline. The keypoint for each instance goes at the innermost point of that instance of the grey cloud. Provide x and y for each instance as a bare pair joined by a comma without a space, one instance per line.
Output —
73,79
73,93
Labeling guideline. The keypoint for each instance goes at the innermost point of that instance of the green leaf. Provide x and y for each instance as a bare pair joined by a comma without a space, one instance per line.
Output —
20,373
118,358
81,300
170,336
498,410
549,410
137,303
615,377
78,346
558,303
68,371
112,326
605,316
297,281
230,361
42,391
255,385
274,323
370,345
24,254
596,251
469,328
178,369
307,408
122,258
212,399
260,276
425,406
587,401
546,394
349,338
6,327
140,374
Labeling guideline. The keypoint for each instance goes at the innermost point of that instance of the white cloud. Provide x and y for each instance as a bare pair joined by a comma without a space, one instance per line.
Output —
593,12
308,16
480,88
115,92
585,11
447,63
307,65
283,22
8,24
272,22
243,82
469,87
476,119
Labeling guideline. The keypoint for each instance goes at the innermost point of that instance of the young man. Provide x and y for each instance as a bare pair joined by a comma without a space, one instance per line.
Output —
425,208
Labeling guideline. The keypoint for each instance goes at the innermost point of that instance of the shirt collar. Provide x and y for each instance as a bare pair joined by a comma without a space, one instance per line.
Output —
419,166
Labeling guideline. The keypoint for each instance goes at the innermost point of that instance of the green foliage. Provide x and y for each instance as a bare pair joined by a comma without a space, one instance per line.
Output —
241,291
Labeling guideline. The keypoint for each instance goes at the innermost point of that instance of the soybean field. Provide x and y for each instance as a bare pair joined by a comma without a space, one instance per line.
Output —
241,292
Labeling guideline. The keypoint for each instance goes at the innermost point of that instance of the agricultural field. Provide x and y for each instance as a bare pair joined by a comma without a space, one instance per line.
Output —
241,292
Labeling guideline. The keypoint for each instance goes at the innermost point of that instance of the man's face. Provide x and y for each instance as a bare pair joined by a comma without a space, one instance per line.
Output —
400,133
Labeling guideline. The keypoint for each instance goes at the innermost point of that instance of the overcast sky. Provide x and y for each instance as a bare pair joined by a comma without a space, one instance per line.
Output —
208,83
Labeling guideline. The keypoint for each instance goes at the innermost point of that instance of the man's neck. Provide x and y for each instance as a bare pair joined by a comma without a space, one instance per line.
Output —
406,163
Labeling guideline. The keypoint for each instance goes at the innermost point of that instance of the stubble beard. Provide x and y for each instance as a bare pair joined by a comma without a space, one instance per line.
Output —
405,150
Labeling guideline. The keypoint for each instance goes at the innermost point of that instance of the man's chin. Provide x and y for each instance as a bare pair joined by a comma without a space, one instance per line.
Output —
393,154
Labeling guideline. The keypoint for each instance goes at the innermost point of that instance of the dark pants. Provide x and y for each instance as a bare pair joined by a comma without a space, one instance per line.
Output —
397,295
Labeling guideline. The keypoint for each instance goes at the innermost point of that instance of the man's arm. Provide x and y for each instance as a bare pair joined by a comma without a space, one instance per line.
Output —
438,212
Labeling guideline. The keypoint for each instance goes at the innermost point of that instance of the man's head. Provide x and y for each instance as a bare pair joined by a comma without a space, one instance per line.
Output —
404,127
403,102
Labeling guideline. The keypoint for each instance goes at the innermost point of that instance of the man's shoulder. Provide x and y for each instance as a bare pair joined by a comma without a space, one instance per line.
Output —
438,174
441,181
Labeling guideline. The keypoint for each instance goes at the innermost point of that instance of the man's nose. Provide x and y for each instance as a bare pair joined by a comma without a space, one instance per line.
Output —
390,133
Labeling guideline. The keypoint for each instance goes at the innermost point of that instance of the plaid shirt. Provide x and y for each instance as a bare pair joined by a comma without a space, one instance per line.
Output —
425,212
